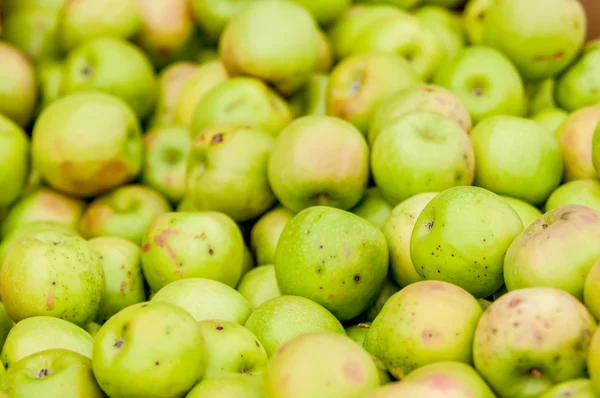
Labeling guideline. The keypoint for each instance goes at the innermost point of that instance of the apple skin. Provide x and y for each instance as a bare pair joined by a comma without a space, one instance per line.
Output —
51,273
92,328
576,88
400,157
398,230
593,365
468,230
213,15
166,152
319,160
359,83
500,92
474,18
171,82
123,364
575,137
85,20
125,285
551,118
192,245
284,61
557,251
580,388
516,157
259,285
6,324
50,75
540,44
578,192
78,155
438,380
522,348
373,207
14,155
527,212
231,348
324,12
241,100
446,25
280,319
228,385
419,98
227,171
115,67
441,329
312,100
335,365
343,269
53,374
126,212
265,234
40,333
206,299
542,96
359,332
18,92
591,298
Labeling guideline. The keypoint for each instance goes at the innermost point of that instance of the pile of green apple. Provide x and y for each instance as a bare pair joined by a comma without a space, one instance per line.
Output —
299,199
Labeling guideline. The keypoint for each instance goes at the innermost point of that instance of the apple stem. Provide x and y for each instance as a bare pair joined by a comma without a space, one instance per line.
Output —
536,373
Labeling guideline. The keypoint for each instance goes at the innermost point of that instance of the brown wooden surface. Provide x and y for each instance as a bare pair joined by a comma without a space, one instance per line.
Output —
592,8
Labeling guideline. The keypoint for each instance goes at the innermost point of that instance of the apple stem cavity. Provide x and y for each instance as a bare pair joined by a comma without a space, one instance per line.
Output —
536,373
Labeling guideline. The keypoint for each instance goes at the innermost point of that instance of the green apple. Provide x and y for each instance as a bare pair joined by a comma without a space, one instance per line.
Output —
40,333
241,100
14,155
204,79
206,299
115,67
280,319
325,59
34,30
358,332
442,320
557,251
419,98
54,373
593,365
400,157
474,17
247,262
398,230
324,12
580,388
360,83
44,205
266,232
445,3
522,348
51,273
486,82
18,91
446,25
484,303
227,171
87,143
6,324
527,212
388,289
14,5
438,380
312,101
50,75
231,348
252,44
578,192
461,237
334,258
92,328
85,20
319,160
192,245
516,157
228,385
125,285
214,15
170,84
259,285
126,212
551,118
575,137
151,349
373,207
577,87
542,96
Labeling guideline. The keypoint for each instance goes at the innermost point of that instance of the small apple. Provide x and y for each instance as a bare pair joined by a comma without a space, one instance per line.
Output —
213,16
50,75
388,289
312,101
259,285
551,118
92,328
40,333
578,192
577,87
34,30
373,207
18,94
266,232
461,237
447,27
192,245
542,96
279,320
522,348
206,299
580,388
126,212
14,155
125,366
87,143
527,212
171,82
474,17
319,160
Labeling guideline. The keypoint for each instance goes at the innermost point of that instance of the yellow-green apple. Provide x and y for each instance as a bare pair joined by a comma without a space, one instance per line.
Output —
6,325
319,160
50,75
373,207
474,17
312,101
229,385
14,5
87,143
324,12
461,237
265,234
577,87
206,299
516,157
259,285
15,158
530,339
445,3
325,60
446,25
551,118
18,90
542,95
126,212
171,81
593,365
192,245
151,350
92,328
214,15
580,388
591,291
388,289
358,332
526,211
578,192
334,258
247,261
